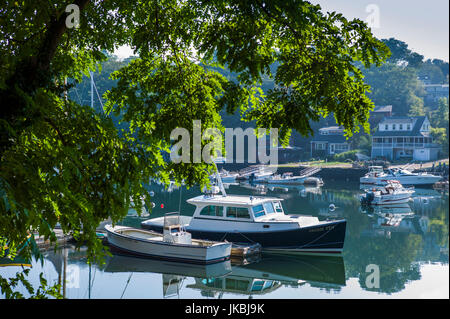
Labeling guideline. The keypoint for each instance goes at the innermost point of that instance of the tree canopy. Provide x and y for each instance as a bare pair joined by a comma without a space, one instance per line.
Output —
65,163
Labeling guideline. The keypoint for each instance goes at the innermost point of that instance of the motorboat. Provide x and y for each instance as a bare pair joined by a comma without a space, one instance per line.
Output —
228,177
392,193
174,244
257,219
408,178
286,178
373,176
377,176
262,175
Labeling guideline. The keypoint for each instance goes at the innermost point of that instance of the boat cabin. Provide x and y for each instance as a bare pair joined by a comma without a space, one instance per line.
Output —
235,208
375,171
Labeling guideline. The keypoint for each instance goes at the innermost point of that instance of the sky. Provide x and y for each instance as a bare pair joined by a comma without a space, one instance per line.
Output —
422,24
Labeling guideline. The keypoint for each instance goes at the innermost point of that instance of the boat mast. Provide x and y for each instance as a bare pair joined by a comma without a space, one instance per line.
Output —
219,181
92,89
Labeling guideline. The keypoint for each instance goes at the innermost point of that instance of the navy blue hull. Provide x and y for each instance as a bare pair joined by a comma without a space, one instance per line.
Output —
315,239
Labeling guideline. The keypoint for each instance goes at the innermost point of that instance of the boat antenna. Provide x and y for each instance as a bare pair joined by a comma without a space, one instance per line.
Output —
179,202
219,180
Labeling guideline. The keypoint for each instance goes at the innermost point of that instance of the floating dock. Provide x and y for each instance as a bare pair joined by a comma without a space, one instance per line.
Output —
244,249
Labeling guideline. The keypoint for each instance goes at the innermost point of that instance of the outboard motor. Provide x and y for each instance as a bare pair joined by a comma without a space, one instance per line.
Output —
367,199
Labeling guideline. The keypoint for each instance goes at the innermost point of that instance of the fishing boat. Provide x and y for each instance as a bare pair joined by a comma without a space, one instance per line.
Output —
392,193
174,244
257,219
377,176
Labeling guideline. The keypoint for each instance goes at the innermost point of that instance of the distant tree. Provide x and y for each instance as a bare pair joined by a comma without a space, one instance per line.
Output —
416,106
394,85
434,72
400,54
439,120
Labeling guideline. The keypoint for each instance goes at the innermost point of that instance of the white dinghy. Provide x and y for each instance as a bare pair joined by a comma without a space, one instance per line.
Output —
175,244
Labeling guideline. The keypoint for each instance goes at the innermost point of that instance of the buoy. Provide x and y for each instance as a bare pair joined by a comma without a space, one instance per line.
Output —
162,205
153,205
332,207
152,193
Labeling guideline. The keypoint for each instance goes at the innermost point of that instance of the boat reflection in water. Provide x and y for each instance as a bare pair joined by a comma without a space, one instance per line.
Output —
125,263
394,219
273,272
258,278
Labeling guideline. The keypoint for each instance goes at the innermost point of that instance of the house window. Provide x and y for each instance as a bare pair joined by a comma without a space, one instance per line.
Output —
341,147
320,146
408,127
400,127
386,127
393,127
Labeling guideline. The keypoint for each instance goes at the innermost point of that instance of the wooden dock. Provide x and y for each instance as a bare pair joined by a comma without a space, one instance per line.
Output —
61,239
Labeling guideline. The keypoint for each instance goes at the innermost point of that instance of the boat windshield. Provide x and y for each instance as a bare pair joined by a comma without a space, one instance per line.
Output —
405,172
267,208
258,211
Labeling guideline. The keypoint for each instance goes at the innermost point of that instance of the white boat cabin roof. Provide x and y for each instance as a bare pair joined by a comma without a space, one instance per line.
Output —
235,200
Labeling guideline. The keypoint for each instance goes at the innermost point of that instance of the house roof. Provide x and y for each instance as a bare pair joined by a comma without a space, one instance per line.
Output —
329,138
415,121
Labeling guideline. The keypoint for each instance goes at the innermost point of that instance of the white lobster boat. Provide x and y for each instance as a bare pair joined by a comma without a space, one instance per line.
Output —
175,244
392,193
251,219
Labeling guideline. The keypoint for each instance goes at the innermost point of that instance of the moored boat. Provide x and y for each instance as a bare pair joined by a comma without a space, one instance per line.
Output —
392,193
377,176
258,220
228,177
286,178
174,244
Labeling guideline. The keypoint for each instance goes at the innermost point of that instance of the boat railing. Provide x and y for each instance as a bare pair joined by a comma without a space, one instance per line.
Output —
171,220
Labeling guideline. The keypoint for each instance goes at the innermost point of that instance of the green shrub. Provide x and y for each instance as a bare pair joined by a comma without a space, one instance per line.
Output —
349,155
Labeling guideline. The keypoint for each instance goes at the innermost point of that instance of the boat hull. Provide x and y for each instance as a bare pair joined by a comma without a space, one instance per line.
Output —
407,180
287,181
168,251
323,239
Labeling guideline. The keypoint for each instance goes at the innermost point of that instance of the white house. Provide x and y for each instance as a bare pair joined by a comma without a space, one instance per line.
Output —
404,137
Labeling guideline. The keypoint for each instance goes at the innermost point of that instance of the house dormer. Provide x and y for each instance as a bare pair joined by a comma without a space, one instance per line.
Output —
396,124
425,125
331,130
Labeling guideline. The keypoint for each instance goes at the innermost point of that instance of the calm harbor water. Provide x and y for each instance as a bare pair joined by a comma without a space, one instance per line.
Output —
406,245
